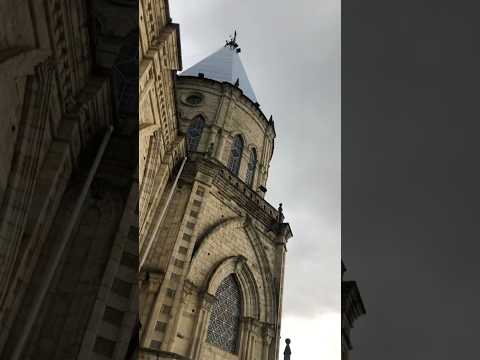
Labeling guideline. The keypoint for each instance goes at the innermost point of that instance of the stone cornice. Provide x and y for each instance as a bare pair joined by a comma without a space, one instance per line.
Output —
235,189
163,354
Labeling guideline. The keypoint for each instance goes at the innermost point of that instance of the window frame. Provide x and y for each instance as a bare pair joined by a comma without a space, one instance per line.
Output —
198,125
251,168
233,346
236,154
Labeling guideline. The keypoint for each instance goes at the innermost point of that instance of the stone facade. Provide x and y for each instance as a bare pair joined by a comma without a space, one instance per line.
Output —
68,180
227,113
161,147
216,224
109,229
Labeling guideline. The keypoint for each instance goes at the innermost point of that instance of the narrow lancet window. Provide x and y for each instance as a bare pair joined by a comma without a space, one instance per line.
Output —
223,328
252,166
194,133
236,154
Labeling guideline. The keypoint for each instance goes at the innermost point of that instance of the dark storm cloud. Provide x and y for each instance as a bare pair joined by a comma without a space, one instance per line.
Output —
410,176
291,52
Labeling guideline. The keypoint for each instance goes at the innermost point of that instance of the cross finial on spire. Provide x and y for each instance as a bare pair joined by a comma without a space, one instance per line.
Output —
232,43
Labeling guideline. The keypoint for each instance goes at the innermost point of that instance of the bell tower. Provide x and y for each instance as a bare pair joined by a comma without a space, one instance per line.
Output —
212,273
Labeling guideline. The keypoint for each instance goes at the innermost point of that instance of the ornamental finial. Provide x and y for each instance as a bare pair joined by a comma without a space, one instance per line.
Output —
287,352
232,43
281,217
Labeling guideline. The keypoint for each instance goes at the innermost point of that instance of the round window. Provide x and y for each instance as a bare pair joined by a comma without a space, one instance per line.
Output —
194,99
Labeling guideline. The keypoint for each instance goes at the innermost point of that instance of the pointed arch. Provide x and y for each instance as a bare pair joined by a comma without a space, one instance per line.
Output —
258,286
251,168
214,228
194,133
236,152
238,267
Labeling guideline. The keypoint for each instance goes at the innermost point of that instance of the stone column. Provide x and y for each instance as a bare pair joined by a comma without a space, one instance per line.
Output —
212,143
246,345
283,234
149,288
201,326
268,335
222,138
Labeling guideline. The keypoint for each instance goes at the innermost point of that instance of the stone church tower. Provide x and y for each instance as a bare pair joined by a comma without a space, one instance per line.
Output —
211,276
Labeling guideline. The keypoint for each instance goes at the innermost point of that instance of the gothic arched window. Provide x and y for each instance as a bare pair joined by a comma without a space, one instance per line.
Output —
224,325
252,165
235,154
194,133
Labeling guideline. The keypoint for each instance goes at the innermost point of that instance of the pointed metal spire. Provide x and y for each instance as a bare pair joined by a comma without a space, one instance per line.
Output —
225,65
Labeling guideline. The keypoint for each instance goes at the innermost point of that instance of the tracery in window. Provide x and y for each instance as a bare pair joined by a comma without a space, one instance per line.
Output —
194,133
252,165
235,154
223,329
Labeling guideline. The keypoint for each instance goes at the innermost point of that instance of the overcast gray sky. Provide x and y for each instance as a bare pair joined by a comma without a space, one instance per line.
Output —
291,52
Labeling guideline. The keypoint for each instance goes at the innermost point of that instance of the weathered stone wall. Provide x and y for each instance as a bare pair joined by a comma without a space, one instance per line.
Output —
59,106
215,226
161,149
161,152
55,108
47,95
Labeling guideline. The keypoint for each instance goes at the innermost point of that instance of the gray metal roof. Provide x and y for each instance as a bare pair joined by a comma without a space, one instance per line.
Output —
224,65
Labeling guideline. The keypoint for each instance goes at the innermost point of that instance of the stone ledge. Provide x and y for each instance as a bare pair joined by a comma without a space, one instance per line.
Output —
160,355
233,188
